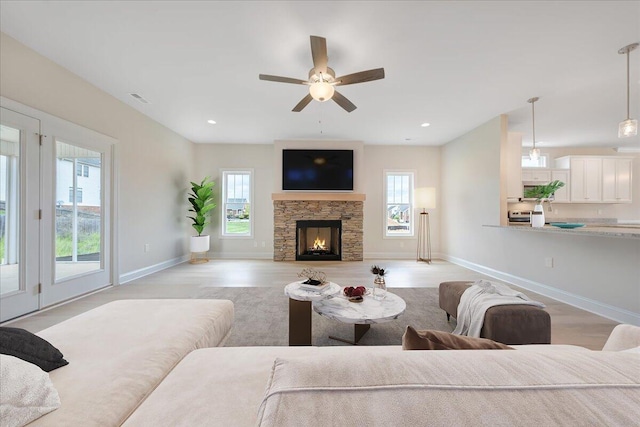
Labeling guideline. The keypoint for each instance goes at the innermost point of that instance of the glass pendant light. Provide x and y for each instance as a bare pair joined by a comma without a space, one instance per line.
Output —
534,153
627,127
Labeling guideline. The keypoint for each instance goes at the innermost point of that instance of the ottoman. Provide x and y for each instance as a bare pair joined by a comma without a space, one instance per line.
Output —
508,324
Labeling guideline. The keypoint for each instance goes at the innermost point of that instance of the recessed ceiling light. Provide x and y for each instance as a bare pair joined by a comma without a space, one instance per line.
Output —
424,125
211,122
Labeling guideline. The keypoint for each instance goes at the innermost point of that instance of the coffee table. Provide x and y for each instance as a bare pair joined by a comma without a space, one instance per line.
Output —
362,314
300,300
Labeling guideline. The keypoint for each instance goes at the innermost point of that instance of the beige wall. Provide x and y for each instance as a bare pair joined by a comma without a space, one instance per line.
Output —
210,159
154,163
600,274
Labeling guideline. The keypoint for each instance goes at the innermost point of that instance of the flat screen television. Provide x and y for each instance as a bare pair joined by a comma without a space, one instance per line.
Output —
317,170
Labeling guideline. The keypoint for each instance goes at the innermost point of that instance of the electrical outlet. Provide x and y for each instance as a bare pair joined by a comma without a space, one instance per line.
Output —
255,244
548,262
147,247
263,244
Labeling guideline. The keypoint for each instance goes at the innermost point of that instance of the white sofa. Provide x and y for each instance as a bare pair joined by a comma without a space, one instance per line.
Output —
143,376
119,352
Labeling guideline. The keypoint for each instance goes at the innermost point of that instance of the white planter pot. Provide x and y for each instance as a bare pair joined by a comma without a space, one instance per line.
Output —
537,216
199,244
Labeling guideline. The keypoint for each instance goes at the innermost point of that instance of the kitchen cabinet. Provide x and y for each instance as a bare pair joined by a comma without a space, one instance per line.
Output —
586,179
562,194
536,176
616,180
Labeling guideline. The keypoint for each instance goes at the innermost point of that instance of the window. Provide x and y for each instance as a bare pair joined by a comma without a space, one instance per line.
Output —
398,204
82,170
78,195
540,162
237,191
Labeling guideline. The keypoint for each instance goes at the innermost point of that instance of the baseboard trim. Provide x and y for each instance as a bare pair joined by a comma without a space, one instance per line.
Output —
396,255
241,255
605,310
136,274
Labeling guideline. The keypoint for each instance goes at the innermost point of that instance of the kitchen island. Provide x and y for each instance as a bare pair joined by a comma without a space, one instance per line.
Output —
606,230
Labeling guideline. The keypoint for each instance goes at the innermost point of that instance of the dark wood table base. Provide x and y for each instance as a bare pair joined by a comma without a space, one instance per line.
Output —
358,332
299,322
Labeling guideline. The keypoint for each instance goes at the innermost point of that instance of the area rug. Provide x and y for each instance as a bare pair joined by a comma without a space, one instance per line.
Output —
262,318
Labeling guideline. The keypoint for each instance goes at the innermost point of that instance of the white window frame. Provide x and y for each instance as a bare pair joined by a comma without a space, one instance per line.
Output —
412,183
223,204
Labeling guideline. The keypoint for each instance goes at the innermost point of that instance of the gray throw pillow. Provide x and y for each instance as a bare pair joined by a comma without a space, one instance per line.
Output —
30,348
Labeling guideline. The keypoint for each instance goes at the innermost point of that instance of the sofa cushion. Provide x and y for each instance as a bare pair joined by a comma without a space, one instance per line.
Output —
122,350
623,337
439,340
26,392
31,348
479,388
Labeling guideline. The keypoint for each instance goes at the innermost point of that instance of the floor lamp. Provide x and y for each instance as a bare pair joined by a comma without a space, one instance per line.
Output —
425,197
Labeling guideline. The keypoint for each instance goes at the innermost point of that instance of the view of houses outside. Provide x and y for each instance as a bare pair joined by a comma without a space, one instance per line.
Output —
399,203
78,204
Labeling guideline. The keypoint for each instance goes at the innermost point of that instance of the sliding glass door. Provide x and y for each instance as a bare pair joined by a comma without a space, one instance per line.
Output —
19,214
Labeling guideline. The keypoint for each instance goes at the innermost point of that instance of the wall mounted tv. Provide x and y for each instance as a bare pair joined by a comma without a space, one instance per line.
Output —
317,170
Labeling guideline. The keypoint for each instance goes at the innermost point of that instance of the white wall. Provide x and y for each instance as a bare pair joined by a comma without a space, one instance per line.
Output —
210,158
154,163
600,274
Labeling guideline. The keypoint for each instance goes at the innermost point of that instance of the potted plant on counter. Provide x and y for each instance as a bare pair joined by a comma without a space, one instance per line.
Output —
201,199
541,193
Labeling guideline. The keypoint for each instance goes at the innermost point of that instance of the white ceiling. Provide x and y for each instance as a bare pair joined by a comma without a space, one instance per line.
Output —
453,64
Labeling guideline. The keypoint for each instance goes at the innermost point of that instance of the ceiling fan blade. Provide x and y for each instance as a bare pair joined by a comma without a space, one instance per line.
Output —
303,103
361,77
319,54
343,102
282,79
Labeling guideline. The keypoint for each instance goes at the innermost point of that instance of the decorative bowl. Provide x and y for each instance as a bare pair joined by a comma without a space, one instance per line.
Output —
566,224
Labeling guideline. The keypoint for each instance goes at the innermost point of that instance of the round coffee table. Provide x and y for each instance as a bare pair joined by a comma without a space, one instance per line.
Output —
300,300
362,314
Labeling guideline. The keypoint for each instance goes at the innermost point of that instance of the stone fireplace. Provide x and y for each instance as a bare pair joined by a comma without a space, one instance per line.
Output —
290,209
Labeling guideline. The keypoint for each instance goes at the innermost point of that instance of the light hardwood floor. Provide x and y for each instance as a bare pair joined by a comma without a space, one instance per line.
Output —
569,325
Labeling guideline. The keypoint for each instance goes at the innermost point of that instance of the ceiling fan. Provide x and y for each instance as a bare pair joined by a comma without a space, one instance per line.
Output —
322,79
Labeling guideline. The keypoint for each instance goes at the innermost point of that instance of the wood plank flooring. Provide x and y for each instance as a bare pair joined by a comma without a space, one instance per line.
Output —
569,325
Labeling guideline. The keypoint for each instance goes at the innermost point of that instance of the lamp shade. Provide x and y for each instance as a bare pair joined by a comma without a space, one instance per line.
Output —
628,128
321,91
425,197
534,153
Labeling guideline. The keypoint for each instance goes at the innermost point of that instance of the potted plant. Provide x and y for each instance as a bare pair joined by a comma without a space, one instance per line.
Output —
201,199
541,193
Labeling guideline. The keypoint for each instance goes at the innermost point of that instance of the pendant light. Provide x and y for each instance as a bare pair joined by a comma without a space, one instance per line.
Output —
627,127
534,153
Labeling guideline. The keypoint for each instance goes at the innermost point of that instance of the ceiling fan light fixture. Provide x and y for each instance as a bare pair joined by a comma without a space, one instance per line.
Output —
321,91
628,127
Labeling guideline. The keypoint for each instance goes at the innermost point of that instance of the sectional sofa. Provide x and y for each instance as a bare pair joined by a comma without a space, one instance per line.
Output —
157,363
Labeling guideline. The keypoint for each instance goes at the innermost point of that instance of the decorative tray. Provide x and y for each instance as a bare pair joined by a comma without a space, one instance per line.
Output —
566,224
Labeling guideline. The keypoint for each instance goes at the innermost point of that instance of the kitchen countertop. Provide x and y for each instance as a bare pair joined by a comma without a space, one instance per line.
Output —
595,229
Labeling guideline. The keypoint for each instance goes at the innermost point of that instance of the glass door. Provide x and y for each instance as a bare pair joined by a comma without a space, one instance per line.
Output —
19,214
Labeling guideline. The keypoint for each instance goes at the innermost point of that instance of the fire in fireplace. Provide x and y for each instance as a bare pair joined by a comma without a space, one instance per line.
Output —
318,240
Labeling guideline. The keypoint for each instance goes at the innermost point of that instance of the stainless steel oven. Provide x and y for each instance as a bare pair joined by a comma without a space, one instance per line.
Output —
519,217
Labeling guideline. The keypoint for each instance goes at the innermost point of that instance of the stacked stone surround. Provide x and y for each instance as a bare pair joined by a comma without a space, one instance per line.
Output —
287,212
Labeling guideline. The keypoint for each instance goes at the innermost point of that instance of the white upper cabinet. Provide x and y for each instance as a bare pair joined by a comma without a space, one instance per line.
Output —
536,176
616,180
598,179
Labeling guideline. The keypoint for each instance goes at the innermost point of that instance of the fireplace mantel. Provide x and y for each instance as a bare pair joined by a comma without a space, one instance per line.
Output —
340,197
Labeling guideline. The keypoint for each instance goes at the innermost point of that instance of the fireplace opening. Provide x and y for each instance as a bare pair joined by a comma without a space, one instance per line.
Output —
318,240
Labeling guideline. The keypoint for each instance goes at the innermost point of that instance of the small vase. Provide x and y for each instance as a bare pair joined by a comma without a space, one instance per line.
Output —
537,216
379,288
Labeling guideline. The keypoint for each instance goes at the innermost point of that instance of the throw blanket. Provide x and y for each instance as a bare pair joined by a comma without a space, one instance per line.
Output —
455,388
480,297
